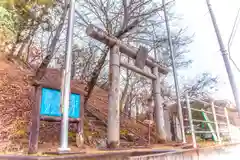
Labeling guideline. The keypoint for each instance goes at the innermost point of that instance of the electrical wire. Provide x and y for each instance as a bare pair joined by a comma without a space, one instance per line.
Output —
235,25
232,35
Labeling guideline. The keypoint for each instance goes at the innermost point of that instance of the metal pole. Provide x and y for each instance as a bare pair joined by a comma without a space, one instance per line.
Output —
67,79
180,114
216,123
225,58
62,90
190,121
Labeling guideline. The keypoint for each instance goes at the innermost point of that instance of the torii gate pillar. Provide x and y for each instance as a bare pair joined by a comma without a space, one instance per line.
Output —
113,132
158,106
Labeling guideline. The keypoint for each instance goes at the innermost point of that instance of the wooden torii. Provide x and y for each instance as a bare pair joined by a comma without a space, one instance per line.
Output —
141,59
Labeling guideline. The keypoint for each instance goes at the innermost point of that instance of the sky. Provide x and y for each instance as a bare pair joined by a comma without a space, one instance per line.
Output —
205,49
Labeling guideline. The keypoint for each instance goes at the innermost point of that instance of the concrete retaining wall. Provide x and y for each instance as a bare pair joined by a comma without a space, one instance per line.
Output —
227,152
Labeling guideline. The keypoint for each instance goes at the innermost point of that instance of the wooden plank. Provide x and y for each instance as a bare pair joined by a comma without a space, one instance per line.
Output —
216,123
199,110
58,87
228,124
58,119
141,58
82,110
191,121
209,104
80,125
34,129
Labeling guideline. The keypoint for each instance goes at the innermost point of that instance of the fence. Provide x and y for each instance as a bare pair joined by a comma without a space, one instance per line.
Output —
215,131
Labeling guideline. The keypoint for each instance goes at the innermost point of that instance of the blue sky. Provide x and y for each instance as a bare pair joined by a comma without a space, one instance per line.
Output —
205,50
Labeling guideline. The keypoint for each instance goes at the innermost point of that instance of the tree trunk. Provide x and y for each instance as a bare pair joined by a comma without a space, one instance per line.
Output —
158,107
73,68
113,99
137,111
26,57
126,107
34,128
130,111
124,96
50,52
14,47
100,64
25,42
86,67
130,105
172,129
95,74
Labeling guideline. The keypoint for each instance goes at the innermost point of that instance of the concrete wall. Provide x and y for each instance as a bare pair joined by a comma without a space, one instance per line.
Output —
229,152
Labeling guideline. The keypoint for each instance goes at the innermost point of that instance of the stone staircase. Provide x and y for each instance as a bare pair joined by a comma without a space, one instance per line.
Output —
132,132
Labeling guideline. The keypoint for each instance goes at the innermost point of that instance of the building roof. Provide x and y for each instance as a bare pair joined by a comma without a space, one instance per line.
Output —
52,79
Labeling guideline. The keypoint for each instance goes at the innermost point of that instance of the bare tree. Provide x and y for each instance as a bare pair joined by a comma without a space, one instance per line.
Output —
130,21
201,85
51,48
120,18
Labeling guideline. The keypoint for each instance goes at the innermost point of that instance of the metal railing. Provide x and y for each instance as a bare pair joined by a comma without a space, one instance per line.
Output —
215,131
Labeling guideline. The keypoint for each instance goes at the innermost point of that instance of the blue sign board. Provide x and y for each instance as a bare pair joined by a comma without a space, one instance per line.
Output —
50,103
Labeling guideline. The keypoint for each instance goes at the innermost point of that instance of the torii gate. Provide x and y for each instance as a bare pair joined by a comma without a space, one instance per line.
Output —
141,59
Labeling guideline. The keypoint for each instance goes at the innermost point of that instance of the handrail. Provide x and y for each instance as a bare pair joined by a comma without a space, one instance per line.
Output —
209,104
220,115
204,132
199,110
196,120
215,131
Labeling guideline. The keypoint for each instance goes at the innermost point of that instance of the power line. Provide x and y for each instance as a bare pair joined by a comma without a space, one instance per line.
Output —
234,28
232,35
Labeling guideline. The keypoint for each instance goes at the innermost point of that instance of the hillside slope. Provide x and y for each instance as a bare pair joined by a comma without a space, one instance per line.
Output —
15,109
15,102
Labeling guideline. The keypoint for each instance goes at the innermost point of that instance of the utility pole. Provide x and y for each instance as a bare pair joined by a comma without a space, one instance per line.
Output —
180,114
65,98
225,57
